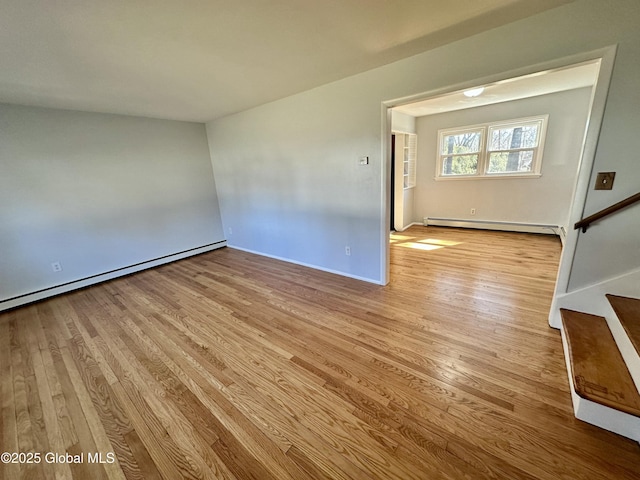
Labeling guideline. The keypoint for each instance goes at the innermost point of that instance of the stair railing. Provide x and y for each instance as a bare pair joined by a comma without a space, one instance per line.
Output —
585,222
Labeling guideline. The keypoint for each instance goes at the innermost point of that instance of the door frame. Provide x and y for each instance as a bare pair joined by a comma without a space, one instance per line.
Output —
606,55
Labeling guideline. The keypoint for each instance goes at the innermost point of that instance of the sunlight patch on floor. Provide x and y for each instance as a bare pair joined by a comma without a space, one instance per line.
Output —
395,236
426,244
435,241
420,246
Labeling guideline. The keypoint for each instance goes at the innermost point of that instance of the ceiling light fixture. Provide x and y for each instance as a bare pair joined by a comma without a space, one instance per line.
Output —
474,92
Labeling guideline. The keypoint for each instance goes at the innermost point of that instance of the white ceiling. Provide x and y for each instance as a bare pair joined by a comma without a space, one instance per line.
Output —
540,83
202,59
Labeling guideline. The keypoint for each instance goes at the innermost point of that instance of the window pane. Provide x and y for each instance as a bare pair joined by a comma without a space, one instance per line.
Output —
514,136
461,143
511,162
460,165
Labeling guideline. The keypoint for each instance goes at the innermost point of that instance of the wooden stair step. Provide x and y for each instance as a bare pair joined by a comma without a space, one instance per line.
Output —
628,311
598,371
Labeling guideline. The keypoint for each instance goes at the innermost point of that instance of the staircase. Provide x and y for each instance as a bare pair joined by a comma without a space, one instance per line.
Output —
603,361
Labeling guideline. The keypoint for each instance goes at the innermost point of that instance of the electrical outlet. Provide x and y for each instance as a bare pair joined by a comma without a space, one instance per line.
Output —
56,267
230,231
473,211
347,250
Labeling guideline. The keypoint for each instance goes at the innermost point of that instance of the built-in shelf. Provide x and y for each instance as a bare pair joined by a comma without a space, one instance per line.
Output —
409,159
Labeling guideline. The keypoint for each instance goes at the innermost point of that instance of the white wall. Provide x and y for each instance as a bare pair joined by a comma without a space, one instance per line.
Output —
289,182
291,186
544,200
96,193
401,122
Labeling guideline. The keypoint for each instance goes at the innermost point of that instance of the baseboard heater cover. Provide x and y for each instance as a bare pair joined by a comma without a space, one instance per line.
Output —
492,225
31,297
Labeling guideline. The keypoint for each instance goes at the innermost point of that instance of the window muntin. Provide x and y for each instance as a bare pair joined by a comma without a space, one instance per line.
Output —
513,148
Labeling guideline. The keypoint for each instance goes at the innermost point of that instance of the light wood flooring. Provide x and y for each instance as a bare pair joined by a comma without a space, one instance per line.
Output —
231,365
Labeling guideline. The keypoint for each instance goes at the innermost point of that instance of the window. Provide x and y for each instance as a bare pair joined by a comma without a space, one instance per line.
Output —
460,152
511,148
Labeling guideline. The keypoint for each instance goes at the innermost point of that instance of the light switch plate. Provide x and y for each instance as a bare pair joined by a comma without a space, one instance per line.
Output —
604,180
364,160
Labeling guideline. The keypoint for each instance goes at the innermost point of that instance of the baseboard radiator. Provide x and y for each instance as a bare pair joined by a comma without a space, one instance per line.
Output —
75,284
491,225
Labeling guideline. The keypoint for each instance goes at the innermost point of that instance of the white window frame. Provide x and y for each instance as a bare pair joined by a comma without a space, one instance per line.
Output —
484,153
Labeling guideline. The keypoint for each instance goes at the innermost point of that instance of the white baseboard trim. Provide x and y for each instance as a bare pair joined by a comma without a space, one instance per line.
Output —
102,277
492,225
562,233
601,415
410,225
309,265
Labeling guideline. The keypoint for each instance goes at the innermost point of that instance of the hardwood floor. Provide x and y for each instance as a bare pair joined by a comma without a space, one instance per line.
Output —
231,365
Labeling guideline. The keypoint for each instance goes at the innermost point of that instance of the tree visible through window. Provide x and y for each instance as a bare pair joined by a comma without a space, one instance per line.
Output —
508,148
462,152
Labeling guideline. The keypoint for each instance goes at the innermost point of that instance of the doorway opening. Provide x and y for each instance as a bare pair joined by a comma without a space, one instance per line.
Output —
453,200
392,202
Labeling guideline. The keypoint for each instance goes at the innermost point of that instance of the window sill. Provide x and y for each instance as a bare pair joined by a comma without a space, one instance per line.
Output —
487,177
